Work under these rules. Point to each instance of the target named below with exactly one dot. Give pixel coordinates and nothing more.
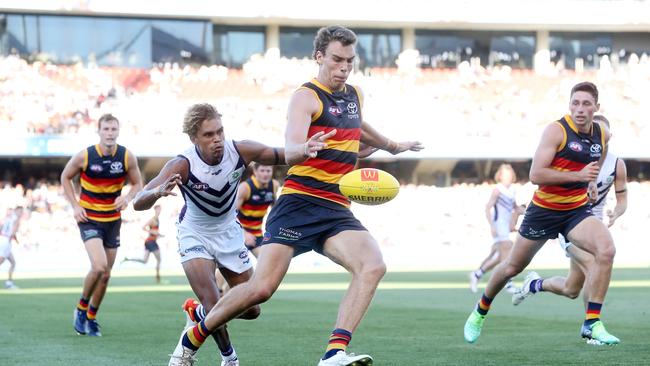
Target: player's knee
(260, 294)
(374, 271)
(510, 270)
(106, 276)
(99, 268)
(572, 293)
(606, 253)
(252, 313)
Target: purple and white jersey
(211, 190)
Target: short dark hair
(327, 35)
(105, 118)
(256, 165)
(195, 116)
(601, 118)
(587, 87)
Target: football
(369, 186)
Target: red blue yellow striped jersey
(251, 214)
(576, 151)
(153, 237)
(102, 179)
(316, 179)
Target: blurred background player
(103, 170)
(612, 173)
(502, 214)
(565, 166)
(151, 244)
(254, 198)
(323, 133)
(7, 234)
(209, 236)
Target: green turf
(403, 327)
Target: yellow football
(369, 186)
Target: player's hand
(612, 217)
(121, 203)
(493, 229)
(366, 150)
(407, 146)
(592, 192)
(316, 143)
(589, 173)
(80, 214)
(166, 188)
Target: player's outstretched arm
(372, 137)
(541, 172)
(135, 179)
(620, 188)
(72, 168)
(260, 153)
(174, 173)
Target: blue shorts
(543, 224)
(151, 245)
(306, 226)
(108, 232)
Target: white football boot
(343, 359)
(524, 292)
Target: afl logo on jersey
(335, 110)
(575, 146)
(116, 167)
(96, 168)
(200, 186)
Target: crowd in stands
(435, 228)
(40, 98)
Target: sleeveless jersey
(254, 208)
(576, 151)
(211, 190)
(153, 237)
(102, 179)
(606, 179)
(8, 226)
(505, 204)
(316, 179)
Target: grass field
(416, 319)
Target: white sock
(479, 273)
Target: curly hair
(195, 115)
(327, 35)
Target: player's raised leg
(522, 252)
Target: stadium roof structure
(578, 15)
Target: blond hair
(501, 169)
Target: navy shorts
(543, 224)
(108, 232)
(151, 245)
(306, 226)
